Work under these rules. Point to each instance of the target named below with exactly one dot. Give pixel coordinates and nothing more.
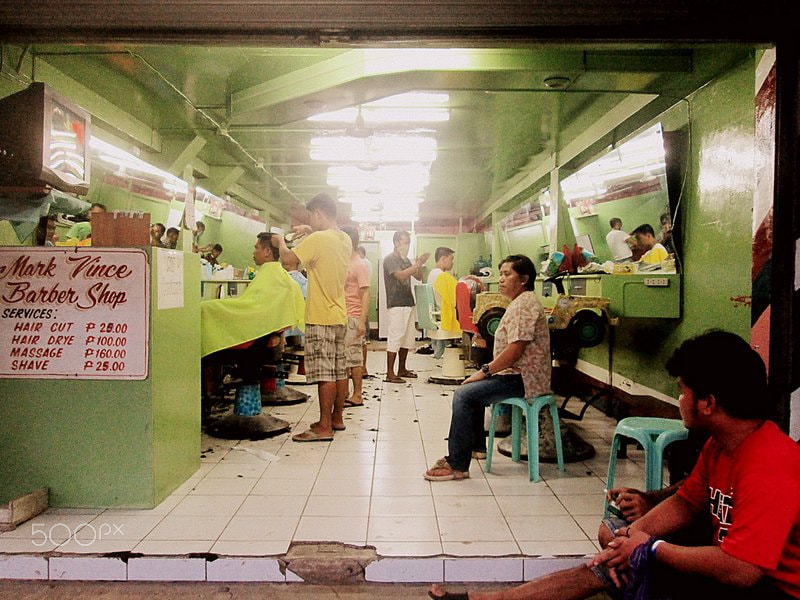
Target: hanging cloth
(445, 286)
(271, 302)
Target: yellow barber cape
(271, 302)
(445, 286)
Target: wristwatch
(485, 370)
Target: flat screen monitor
(48, 143)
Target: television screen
(67, 143)
(48, 144)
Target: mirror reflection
(619, 205)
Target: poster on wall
(169, 268)
(74, 313)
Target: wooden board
(23, 508)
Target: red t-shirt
(753, 496)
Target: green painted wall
(469, 246)
(716, 219)
(111, 443)
(373, 249)
(236, 233)
(528, 240)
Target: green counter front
(639, 295)
(114, 443)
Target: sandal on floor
(340, 428)
(311, 436)
(442, 471)
(407, 373)
(351, 404)
(449, 595)
(394, 379)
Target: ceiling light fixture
(557, 82)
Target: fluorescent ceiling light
(113, 155)
(378, 148)
(411, 208)
(419, 107)
(641, 157)
(399, 178)
(381, 218)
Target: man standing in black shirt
(397, 273)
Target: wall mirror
(629, 182)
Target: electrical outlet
(656, 281)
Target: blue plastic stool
(654, 435)
(532, 409)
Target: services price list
(74, 314)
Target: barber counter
(100, 374)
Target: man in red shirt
(747, 480)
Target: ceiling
(238, 115)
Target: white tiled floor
(365, 487)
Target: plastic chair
(654, 435)
(532, 409)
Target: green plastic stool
(654, 435)
(532, 409)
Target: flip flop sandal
(341, 428)
(311, 436)
(445, 473)
(450, 596)
(349, 404)
(394, 380)
(410, 374)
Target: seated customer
(521, 368)
(171, 239)
(444, 292)
(271, 303)
(747, 482)
(653, 252)
(157, 231)
(213, 256)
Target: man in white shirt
(620, 251)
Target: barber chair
(296, 359)
(274, 391)
(246, 420)
(576, 322)
(452, 372)
(464, 303)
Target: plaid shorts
(353, 344)
(325, 353)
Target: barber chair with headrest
(452, 361)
